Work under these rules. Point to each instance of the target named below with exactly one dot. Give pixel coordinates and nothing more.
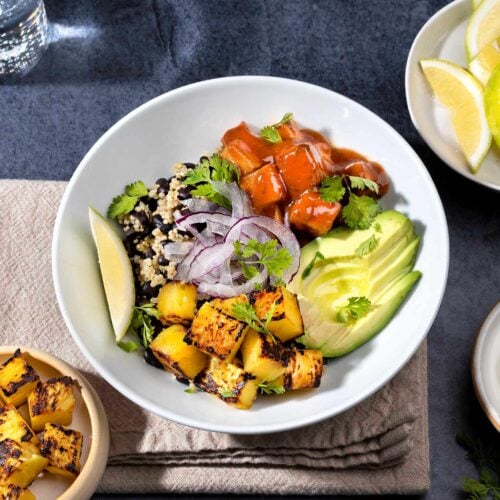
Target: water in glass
(23, 36)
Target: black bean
(162, 260)
(150, 358)
(130, 244)
(166, 228)
(149, 253)
(157, 221)
(181, 232)
(162, 189)
(204, 158)
(184, 193)
(162, 181)
(149, 291)
(189, 165)
(141, 217)
(152, 204)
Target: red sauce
(282, 179)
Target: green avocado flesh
(384, 276)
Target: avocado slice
(384, 276)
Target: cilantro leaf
(149, 309)
(308, 269)
(210, 170)
(332, 189)
(142, 326)
(362, 183)
(137, 188)
(125, 203)
(191, 390)
(246, 313)
(270, 134)
(286, 118)
(226, 393)
(271, 388)
(367, 246)
(129, 345)
(356, 308)
(360, 211)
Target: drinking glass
(23, 36)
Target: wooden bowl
(89, 418)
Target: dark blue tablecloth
(109, 56)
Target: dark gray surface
(112, 56)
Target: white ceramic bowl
(181, 125)
(443, 37)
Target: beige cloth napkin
(380, 446)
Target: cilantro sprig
(125, 203)
(246, 313)
(356, 308)
(210, 170)
(360, 211)
(142, 327)
(271, 387)
(308, 269)
(226, 393)
(487, 461)
(332, 189)
(271, 133)
(367, 246)
(255, 254)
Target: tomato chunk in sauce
(282, 179)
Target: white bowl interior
(182, 125)
(443, 37)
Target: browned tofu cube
(304, 369)
(19, 463)
(17, 379)
(63, 449)
(52, 401)
(216, 333)
(286, 322)
(15, 492)
(13, 426)
(228, 382)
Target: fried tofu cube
(13, 426)
(226, 305)
(265, 187)
(216, 333)
(52, 401)
(17, 379)
(177, 302)
(301, 168)
(20, 463)
(304, 369)
(239, 153)
(15, 492)
(286, 322)
(263, 357)
(229, 382)
(63, 449)
(311, 213)
(258, 146)
(183, 360)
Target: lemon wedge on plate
(116, 272)
(485, 62)
(483, 27)
(462, 94)
(492, 104)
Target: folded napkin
(380, 446)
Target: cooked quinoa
(150, 226)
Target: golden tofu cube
(63, 449)
(13, 426)
(177, 302)
(262, 356)
(304, 369)
(20, 463)
(216, 333)
(286, 322)
(228, 382)
(17, 379)
(52, 401)
(15, 492)
(226, 305)
(183, 360)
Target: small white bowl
(89, 417)
(486, 366)
(181, 125)
(443, 37)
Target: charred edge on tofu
(42, 395)
(206, 383)
(9, 449)
(4, 418)
(288, 379)
(29, 375)
(273, 350)
(47, 446)
(278, 301)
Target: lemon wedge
(462, 94)
(485, 62)
(492, 104)
(116, 272)
(483, 27)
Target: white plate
(486, 366)
(443, 37)
(181, 125)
